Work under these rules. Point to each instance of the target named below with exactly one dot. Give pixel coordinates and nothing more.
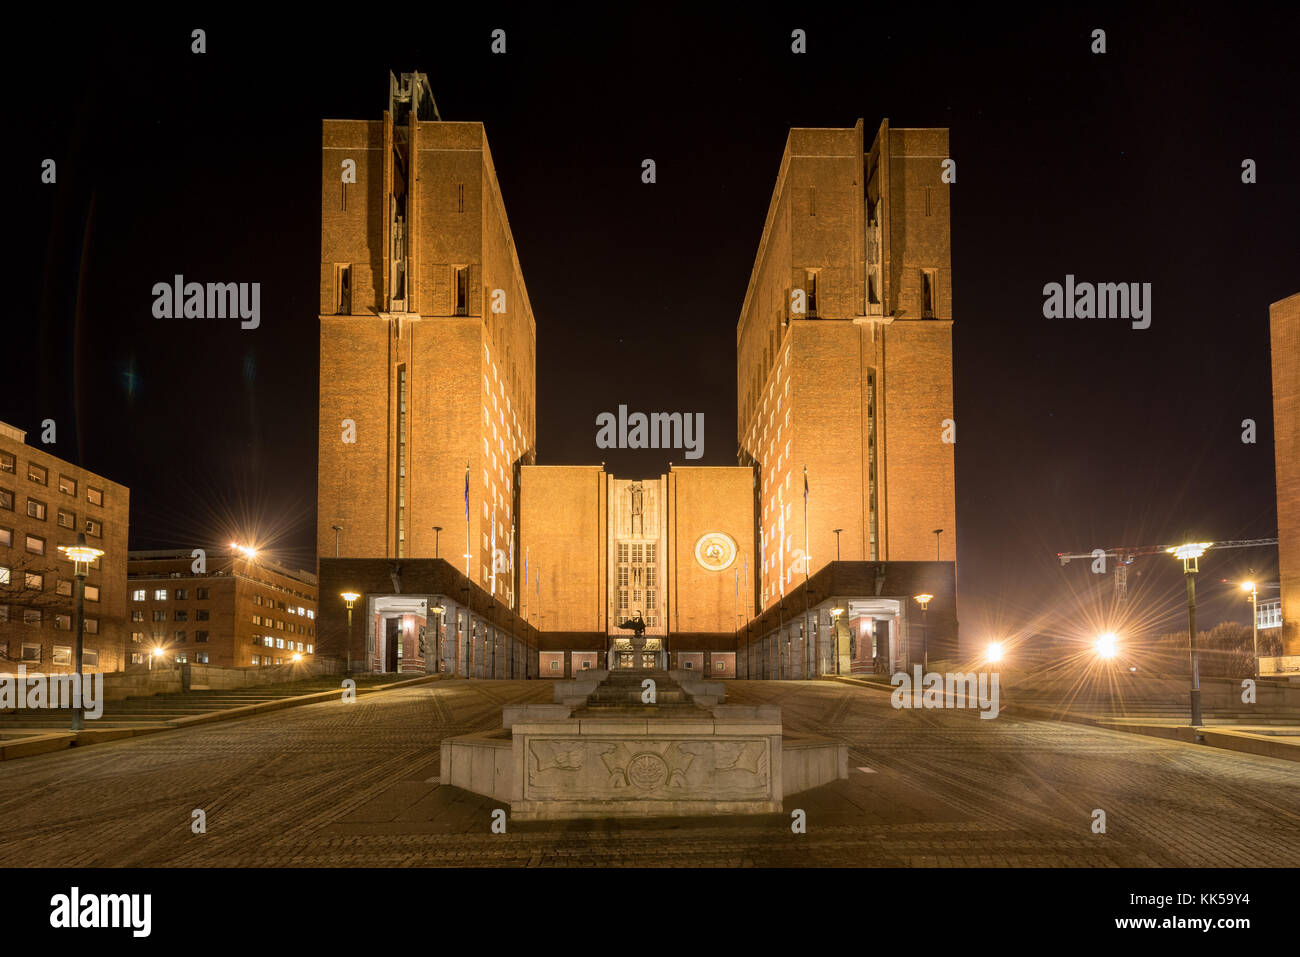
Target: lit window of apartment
(67, 519)
(64, 587)
(257, 619)
(35, 545)
(62, 622)
(309, 650)
(67, 486)
(35, 581)
(92, 593)
(92, 628)
(35, 509)
(160, 594)
(7, 462)
(201, 657)
(32, 616)
(257, 659)
(94, 496)
(279, 642)
(6, 537)
(37, 474)
(137, 637)
(62, 655)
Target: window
(343, 289)
(257, 660)
(182, 594)
(160, 615)
(460, 197)
(90, 658)
(927, 293)
(35, 509)
(257, 599)
(309, 650)
(67, 519)
(94, 496)
(812, 200)
(6, 537)
(279, 642)
(92, 592)
(37, 474)
(31, 652)
(462, 290)
(137, 637)
(92, 626)
(257, 619)
(268, 641)
(138, 594)
(4, 575)
(201, 614)
(67, 486)
(182, 615)
(32, 616)
(182, 659)
(63, 622)
(200, 636)
(35, 581)
(137, 657)
(6, 499)
(555, 666)
(62, 655)
(94, 529)
(201, 657)
(4, 612)
(160, 594)
(179, 635)
(7, 462)
(64, 587)
(201, 594)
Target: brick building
(427, 429)
(235, 609)
(1284, 323)
(44, 503)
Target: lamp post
(337, 529)
(837, 542)
(835, 636)
(350, 597)
(81, 555)
(1254, 623)
(437, 534)
(924, 601)
(1189, 555)
(937, 533)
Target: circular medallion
(647, 770)
(715, 551)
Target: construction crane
(1124, 555)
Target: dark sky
(1072, 434)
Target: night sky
(1122, 167)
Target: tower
(844, 356)
(428, 344)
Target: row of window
(36, 617)
(161, 594)
(41, 476)
(269, 622)
(38, 510)
(60, 655)
(200, 657)
(35, 581)
(35, 544)
(270, 641)
(182, 614)
(178, 636)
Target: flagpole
(467, 520)
(807, 561)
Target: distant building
(1284, 323)
(241, 611)
(44, 503)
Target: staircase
(621, 692)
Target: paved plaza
(337, 784)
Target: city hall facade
(465, 554)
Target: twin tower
(428, 423)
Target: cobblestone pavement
(356, 784)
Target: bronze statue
(636, 625)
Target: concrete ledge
(513, 713)
(36, 744)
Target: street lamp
(337, 529)
(837, 542)
(437, 534)
(1107, 645)
(835, 635)
(1189, 555)
(924, 601)
(81, 555)
(157, 653)
(350, 597)
(937, 533)
(993, 654)
(1254, 622)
